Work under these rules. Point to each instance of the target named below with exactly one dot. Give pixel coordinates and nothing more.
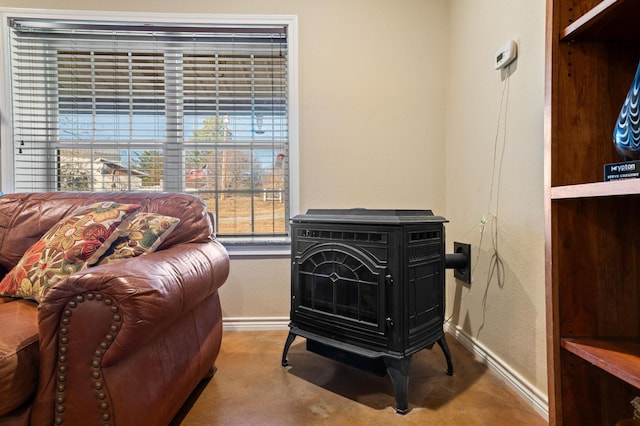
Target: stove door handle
(389, 279)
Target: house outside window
(133, 105)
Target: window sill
(257, 248)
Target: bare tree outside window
(231, 179)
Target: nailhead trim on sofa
(96, 375)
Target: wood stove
(367, 288)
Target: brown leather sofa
(124, 343)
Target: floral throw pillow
(69, 246)
(145, 232)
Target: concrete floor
(252, 388)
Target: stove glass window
(339, 283)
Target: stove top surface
(363, 215)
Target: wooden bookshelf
(597, 189)
(608, 20)
(621, 358)
(592, 231)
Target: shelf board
(609, 20)
(621, 358)
(597, 189)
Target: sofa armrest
(99, 317)
(150, 291)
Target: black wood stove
(367, 288)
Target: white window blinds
(123, 106)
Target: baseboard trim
(532, 395)
(536, 399)
(255, 323)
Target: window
(127, 106)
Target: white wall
(399, 104)
(504, 308)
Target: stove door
(339, 290)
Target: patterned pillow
(146, 231)
(69, 246)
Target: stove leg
(398, 370)
(290, 338)
(445, 348)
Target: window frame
(240, 246)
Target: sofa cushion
(18, 353)
(25, 217)
(144, 234)
(76, 241)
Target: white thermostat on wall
(506, 54)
